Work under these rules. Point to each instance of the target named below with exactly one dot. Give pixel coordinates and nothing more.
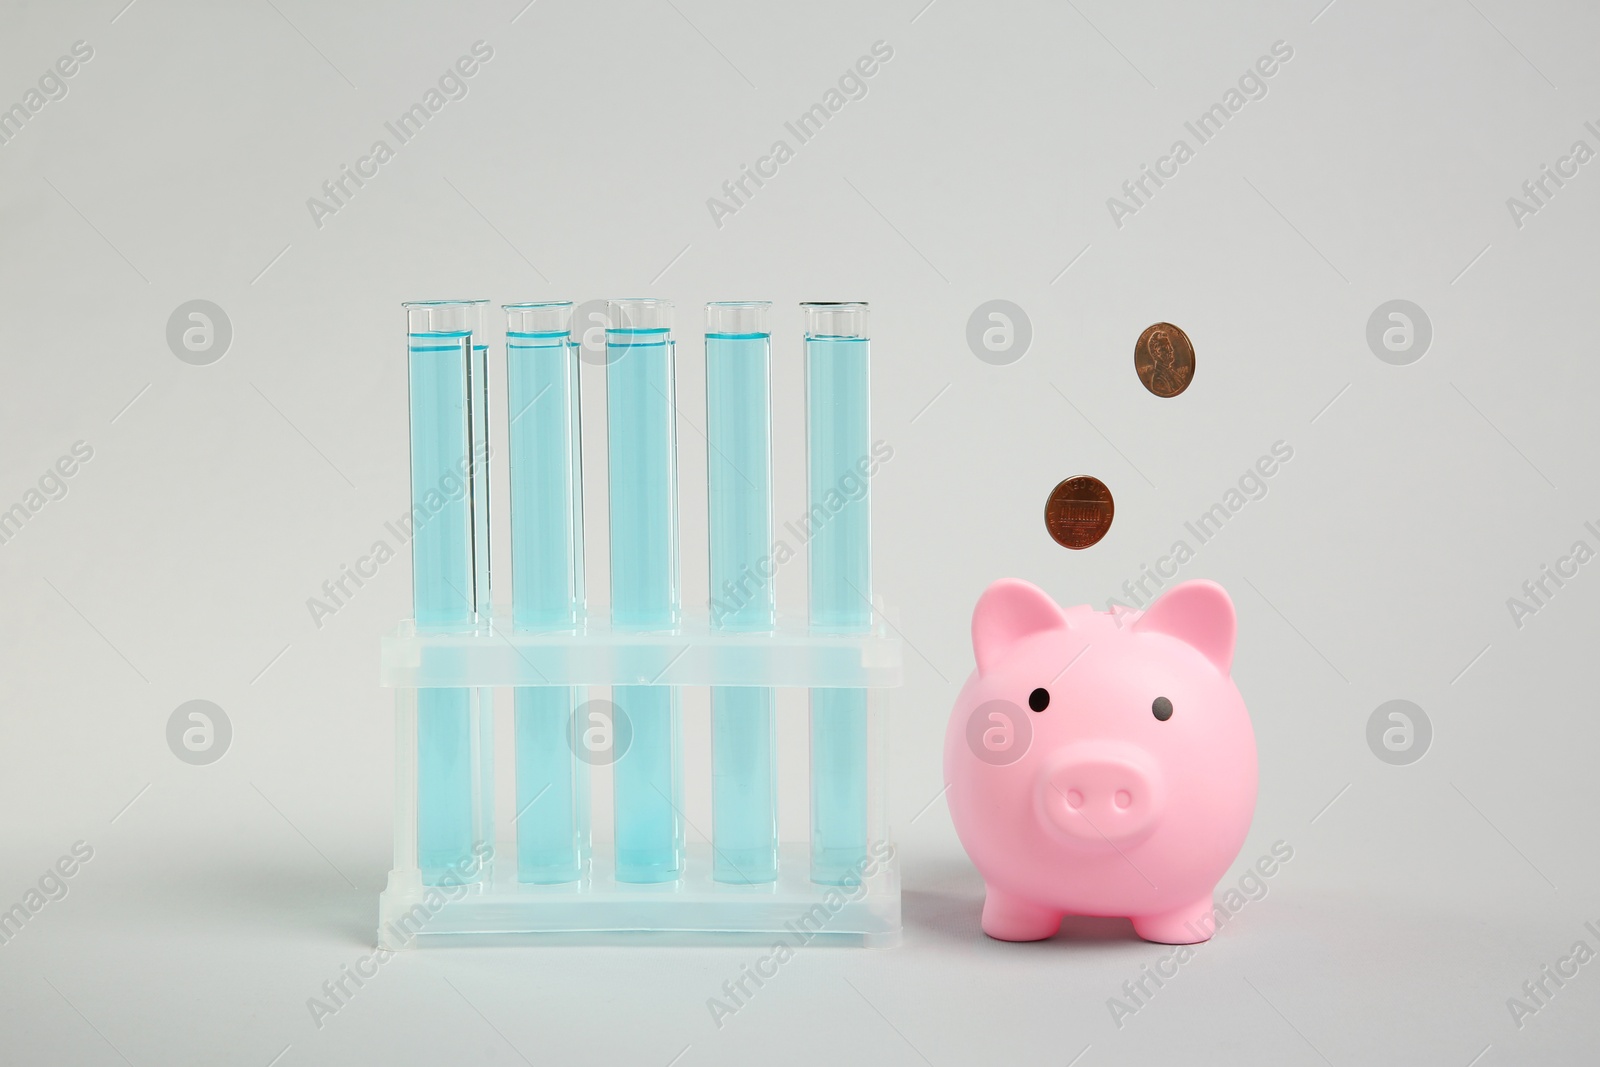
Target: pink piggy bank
(1100, 764)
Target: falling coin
(1164, 359)
(1079, 511)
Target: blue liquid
(739, 479)
(478, 473)
(739, 483)
(641, 434)
(546, 509)
(647, 785)
(444, 785)
(442, 542)
(744, 827)
(449, 493)
(838, 431)
(552, 820)
(552, 788)
(838, 784)
(647, 781)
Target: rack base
(599, 910)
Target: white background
(978, 166)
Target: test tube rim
(761, 310)
(627, 310)
(861, 333)
(523, 318)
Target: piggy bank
(1099, 763)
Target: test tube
(447, 355)
(552, 786)
(744, 834)
(641, 435)
(838, 430)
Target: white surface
(219, 498)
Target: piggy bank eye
(1039, 699)
(1162, 708)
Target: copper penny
(1079, 511)
(1164, 359)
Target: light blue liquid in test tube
(838, 452)
(744, 832)
(552, 785)
(641, 435)
(447, 358)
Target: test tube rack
(484, 902)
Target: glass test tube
(447, 354)
(838, 454)
(552, 785)
(744, 833)
(641, 435)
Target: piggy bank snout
(1100, 792)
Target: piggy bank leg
(1187, 925)
(1010, 918)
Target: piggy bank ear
(1199, 614)
(1008, 611)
